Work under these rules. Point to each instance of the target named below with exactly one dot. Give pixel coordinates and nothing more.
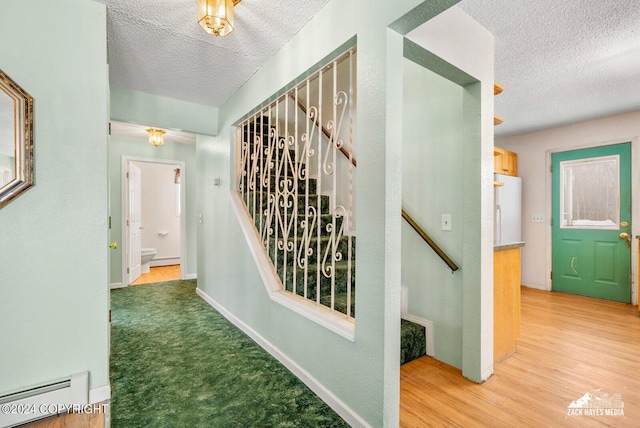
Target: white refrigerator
(507, 209)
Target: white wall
(533, 151)
(160, 215)
(7, 165)
(7, 162)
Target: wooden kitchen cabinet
(505, 162)
(506, 301)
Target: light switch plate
(537, 218)
(446, 221)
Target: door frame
(635, 207)
(123, 217)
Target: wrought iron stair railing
(290, 181)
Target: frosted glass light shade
(156, 136)
(216, 16)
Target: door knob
(625, 236)
(113, 245)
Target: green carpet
(413, 341)
(176, 362)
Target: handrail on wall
(445, 258)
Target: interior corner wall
(120, 146)
(53, 238)
(361, 376)
(432, 152)
(456, 38)
(532, 149)
(162, 112)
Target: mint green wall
(140, 148)
(363, 375)
(53, 238)
(455, 40)
(152, 110)
(432, 151)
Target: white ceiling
(157, 46)
(139, 132)
(559, 61)
(562, 61)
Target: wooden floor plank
(569, 345)
(159, 274)
(92, 419)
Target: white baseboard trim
(404, 300)
(97, 395)
(428, 326)
(534, 285)
(345, 412)
(168, 261)
(190, 276)
(117, 285)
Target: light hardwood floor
(73, 420)
(569, 345)
(159, 274)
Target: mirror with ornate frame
(16, 140)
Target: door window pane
(590, 193)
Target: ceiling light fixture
(156, 136)
(216, 16)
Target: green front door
(592, 222)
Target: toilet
(147, 255)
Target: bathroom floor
(159, 274)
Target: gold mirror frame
(22, 178)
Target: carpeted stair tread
(340, 302)
(289, 183)
(341, 270)
(295, 209)
(413, 342)
(342, 248)
(261, 205)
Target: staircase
(413, 341)
(313, 258)
(301, 231)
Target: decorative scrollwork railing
(299, 190)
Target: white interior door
(134, 222)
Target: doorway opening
(154, 226)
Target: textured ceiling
(157, 46)
(562, 61)
(139, 132)
(559, 61)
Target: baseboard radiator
(60, 396)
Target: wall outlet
(446, 221)
(537, 218)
